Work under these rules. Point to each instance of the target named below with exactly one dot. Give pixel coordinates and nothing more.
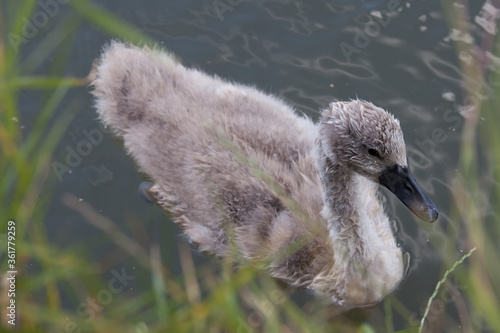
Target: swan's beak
(400, 181)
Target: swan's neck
(367, 261)
(358, 225)
(342, 208)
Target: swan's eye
(373, 152)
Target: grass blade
(109, 23)
(440, 283)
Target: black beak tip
(434, 213)
(426, 211)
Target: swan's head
(368, 140)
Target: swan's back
(221, 155)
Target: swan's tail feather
(125, 76)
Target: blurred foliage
(215, 297)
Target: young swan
(246, 177)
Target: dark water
(397, 54)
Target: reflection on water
(397, 54)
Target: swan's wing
(215, 150)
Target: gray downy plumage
(246, 177)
